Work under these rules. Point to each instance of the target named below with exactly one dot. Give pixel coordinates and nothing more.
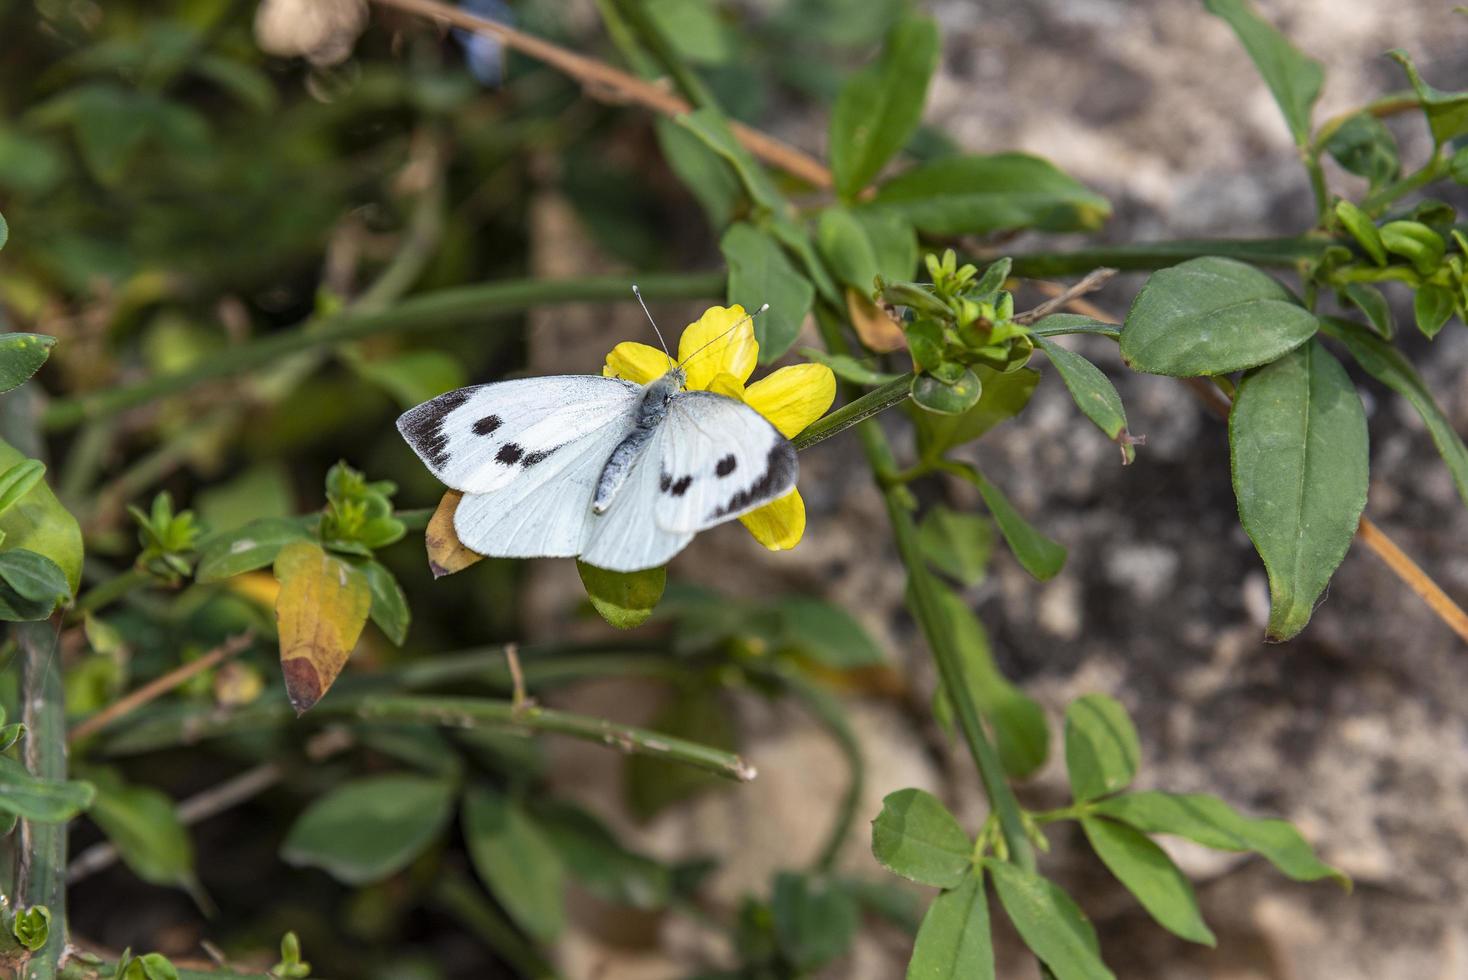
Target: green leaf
(706, 174)
(1432, 307)
(389, 605)
(977, 195)
(21, 355)
(1004, 396)
(41, 800)
(597, 860)
(1297, 438)
(825, 633)
(1049, 922)
(815, 919)
(623, 599)
(367, 829)
(1362, 145)
(760, 273)
(848, 251)
(149, 966)
(1415, 242)
(1020, 734)
(916, 837)
(1293, 78)
(1388, 365)
(957, 544)
(1371, 301)
(848, 368)
(1093, 392)
(941, 398)
(143, 825)
(1101, 748)
(1458, 166)
(32, 927)
(37, 522)
(698, 715)
(1447, 112)
(712, 129)
(693, 29)
(4, 231)
(1041, 557)
(880, 107)
(954, 942)
(894, 241)
(1209, 821)
(1363, 229)
(1212, 316)
(31, 586)
(1063, 324)
(1150, 875)
(18, 480)
(516, 861)
(247, 548)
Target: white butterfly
(618, 474)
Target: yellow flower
(790, 398)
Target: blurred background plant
(246, 236)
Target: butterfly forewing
(720, 459)
(491, 436)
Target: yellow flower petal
(793, 397)
(779, 524)
(728, 385)
(729, 350)
(636, 362)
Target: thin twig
(160, 686)
(608, 84)
(1417, 580)
(517, 677)
(1066, 295)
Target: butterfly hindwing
(719, 459)
(628, 537)
(486, 437)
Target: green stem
(1376, 203)
(872, 403)
(1310, 157)
(927, 608)
(484, 713)
(108, 592)
(1159, 255)
(75, 969)
(472, 304)
(41, 876)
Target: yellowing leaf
(446, 554)
(320, 613)
(877, 330)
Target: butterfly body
(618, 474)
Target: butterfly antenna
(638, 293)
(715, 340)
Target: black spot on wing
(779, 475)
(665, 481)
(509, 454)
(680, 486)
(486, 425)
(539, 456)
(726, 465)
(422, 426)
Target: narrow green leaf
(825, 633)
(1293, 78)
(368, 829)
(1050, 923)
(1432, 307)
(954, 941)
(607, 869)
(760, 273)
(21, 355)
(37, 522)
(713, 130)
(516, 861)
(1416, 242)
(1094, 394)
(844, 244)
(1388, 365)
(41, 800)
(1101, 748)
(389, 605)
(977, 195)
(956, 543)
(1212, 316)
(247, 548)
(693, 28)
(1041, 556)
(1362, 145)
(1447, 112)
(1209, 821)
(1297, 438)
(880, 107)
(18, 480)
(624, 599)
(1020, 734)
(705, 173)
(815, 919)
(143, 825)
(916, 837)
(1150, 875)
(1363, 229)
(1062, 324)
(1370, 301)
